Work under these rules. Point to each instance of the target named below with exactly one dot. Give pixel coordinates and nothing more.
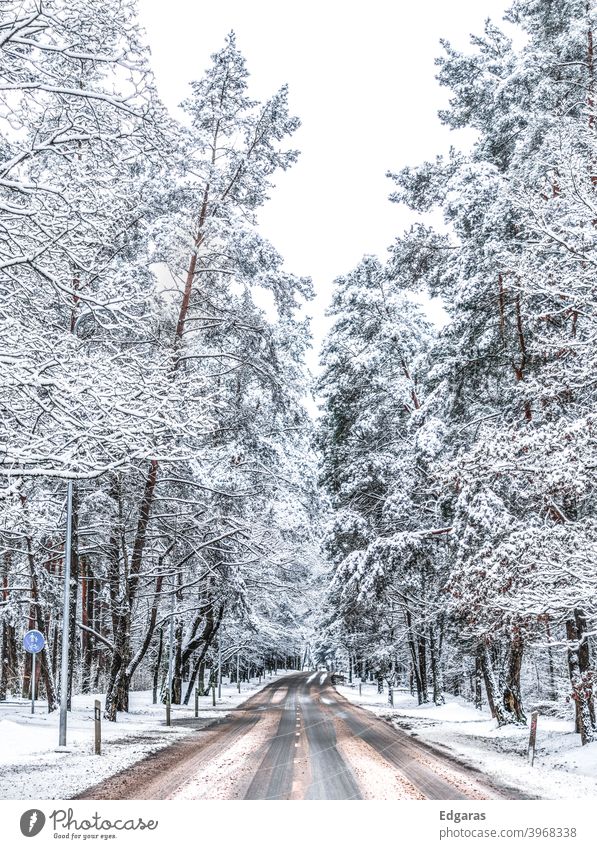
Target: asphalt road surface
(299, 739)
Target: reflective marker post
(533, 737)
(97, 718)
(65, 616)
(220, 665)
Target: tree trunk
(584, 658)
(87, 610)
(415, 673)
(581, 685)
(156, 668)
(117, 695)
(210, 630)
(37, 621)
(99, 653)
(422, 651)
(117, 689)
(55, 644)
(177, 664)
(478, 680)
(553, 690)
(45, 668)
(201, 678)
(28, 663)
(140, 654)
(73, 599)
(512, 698)
(9, 663)
(493, 694)
(436, 669)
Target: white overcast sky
(361, 77)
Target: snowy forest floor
(563, 769)
(32, 768)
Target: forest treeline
(461, 464)
(152, 353)
(152, 350)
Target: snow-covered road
(298, 739)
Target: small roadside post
(213, 693)
(97, 716)
(196, 702)
(360, 688)
(33, 642)
(238, 670)
(220, 667)
(533, 737)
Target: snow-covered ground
(32, 768)
(563, 769)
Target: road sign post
(32, 683)
(33, 642)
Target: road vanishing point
(298, 738)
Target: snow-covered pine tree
(519, 211)
(226, 353)
(80, 132)
(105, 368)
(376, 444)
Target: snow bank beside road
(31, 768)
(563, 768)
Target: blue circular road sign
(33, 641)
